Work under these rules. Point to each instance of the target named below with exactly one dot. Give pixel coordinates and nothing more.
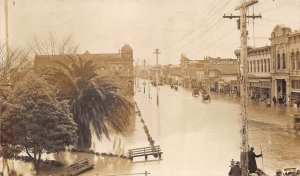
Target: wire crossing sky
(195, 28)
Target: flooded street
(197, 138)
(200, 138)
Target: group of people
(236, 170)
(281, 100)
(252, 167)
(294, 173)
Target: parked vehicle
(195, 92)
(205, 97)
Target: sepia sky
(195, 28)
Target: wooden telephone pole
(144, 77)
(157, 53)
(243, 79)
(6, 30)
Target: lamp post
(149, 85)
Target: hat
(237, 163)
(278, 171)
(252, 148)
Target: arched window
(293, 61)
(248, 66)
(258, 68)
(298, 60)
(265, 64)
(278, 61)
(283, 61)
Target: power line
(197, 26)
(209, 45)
(211, 25)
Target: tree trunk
(35, 162)
(85, 138)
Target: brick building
(118, 65)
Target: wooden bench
(145, 151)
(79, 167)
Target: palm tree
(93, 99)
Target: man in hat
(278, 173)
(235, 170)
(252, 167)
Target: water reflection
(15, 168)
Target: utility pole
(6, 30)
(144, 77)
(242, 25)
(137, 75)
(135, 70)
(157, 53)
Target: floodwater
(197, 138)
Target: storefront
(254, 88)
(260, 88)
(265, 89)
(295, 89)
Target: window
(269, 65)
(298, 60)
(258, 68)
(261, 65)
(254, 66)
(265, 64)
(295, 84)
(293, 61)
(248, 66)
(251, 66)
(278, 61)
(283, 61)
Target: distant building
(217, 74)
(173, 74)
(259, 75)
(222, 74)
(118, 65)
(193, 72)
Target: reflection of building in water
(119, 65)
